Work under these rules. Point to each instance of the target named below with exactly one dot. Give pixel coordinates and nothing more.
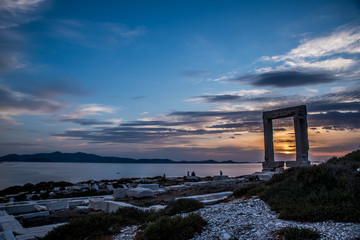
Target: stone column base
(272, 166)
(298, 163)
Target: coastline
(20, 173)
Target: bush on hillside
(295, 233)
(249, 190)
(329, 191)
(184, 205)
(175, 228)
(99, 225)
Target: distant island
(80, 157)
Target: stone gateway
(299, 115)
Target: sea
(20, 173)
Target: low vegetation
(249, 190)
(175, 228)
(328, 191)
(295, 233)
(184, 205)
(95, 226)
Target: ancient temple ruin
(299, 115)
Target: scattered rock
(140, 192)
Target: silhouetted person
(188, 173)
(193, 174)
(220, 173)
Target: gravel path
(253, 219)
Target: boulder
(56, 205)
(73, 203)
(7, 235)
(83, 209)
(120, 193)
(152, 186)
(221, 177)
(34, 215)
(112, 206)
(96, 203)
(140, 192)
(20, 208)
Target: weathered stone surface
(120, 193)
(96, 203)
(192, 177)
(9, 223)
(157, 207)
(33, 215)
(253, 219)
(20, 208)
(140, 192)
(197, 183)
(222, 183)
(73, 203)
(298, 163)
(56, 205)
(299, 115)
(209, 198)
(265, 175)
(40, 207)
(113, 206)
(271, 166)
(84, 209)
(152, 186)
(37, 232)
(7, 235)
(221, 177)
(159, 191)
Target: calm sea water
(19, 173)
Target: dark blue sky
(186, 80)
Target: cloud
(251, 126)
(90, 109)
(16, 12)
(159, 135)
(194, 73)
(158, 123)
(91, 34)
(11, 44)
(14, 103)
(87, 122)
(48, 88)
(138, 97)
(285, 79)
(233, 96)
(344, 40)
(12, 14)
(320, 60)
(9, 59)
(336, 120)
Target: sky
(184, 80)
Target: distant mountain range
(80, 157)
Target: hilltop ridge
(81, 157)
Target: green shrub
(175, 228)
(183, 205)
(329, 191)
(295, 233)
(99, 225)
(249, 190)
